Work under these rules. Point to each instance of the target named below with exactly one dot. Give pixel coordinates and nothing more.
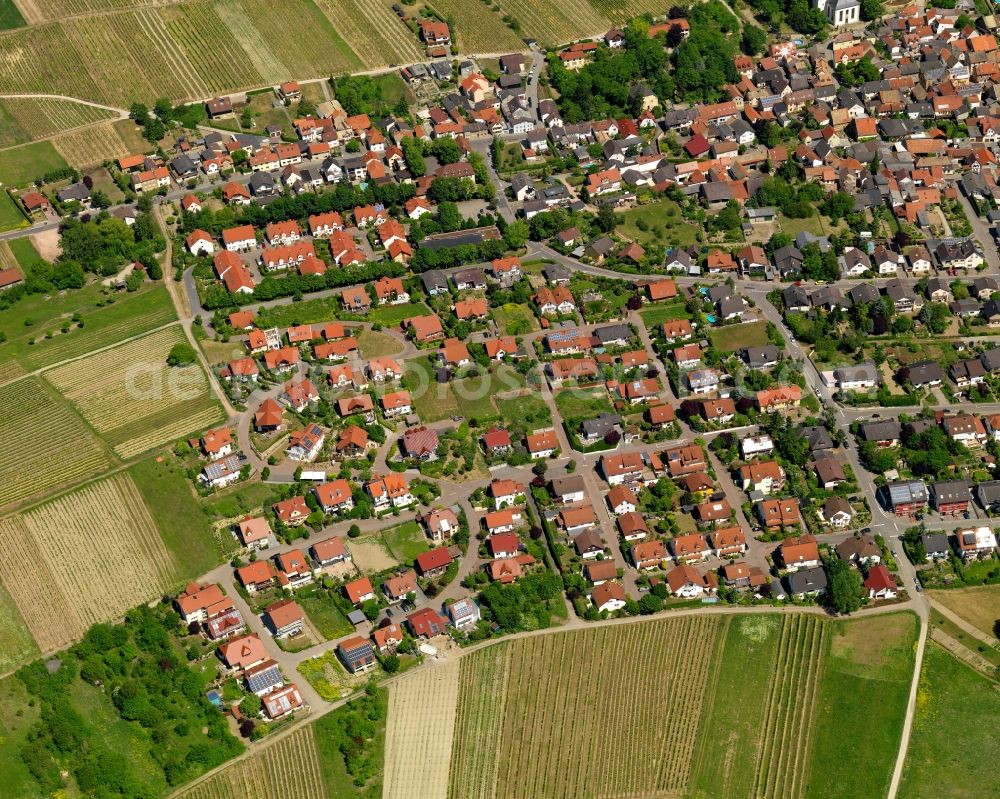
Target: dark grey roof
(951, 491)
(888, 430)
(806, 581)
(613, 333)
(935, 542)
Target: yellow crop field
(207, 43)
(289, 767)
(44, 443)
(374, 31)
(91, 146)
(480, 29)
(306, 41)
(132, 398)
(83, 558)
(416, 763)
(551, 22)
(28, 119)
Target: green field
(14, 726)
(954, 747)
(11, 215)
(10, 16)
(239, 500)
(182, 522)
(17, 646)
(862, 702)
(19, 166)
(655, 315)
(470, 397)
(514, 319)
(577, 403)
(405, 541)
(525, 413)
(723, 762)
(25, 253)
(373, 344)
(663, 222)
(323, 613)
(33, 318)
(735, 337)
(393, 315)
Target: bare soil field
(419, 734)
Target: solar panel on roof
(263, 680)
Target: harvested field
(27, 466)
(91, 146)
(371, 554)
(979, 605)
(419, 733)
(480, 29)
(289, 767)
(131, 397)
(84, 558)
(27, 119)
(376, 34)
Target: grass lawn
(25, 253)
(393, 315)
(183, 524)
(577, 403)
(663, 222)
(374, 345)
(217, 351)
(514, 319)
(811, 224)
(656, 314)
(10, 214)
(954, 740)
(324, 614)
(970, 642)
(405, 541)
(526, 413)
(735, 337)
(238, 500)
(394, 89)
(307, 312)
(16, 644)
(471, 397)
(339, 782)
(34, 317)
(860, 706)
(10, 16)
(728, 742)
(19, 166)
(14, 725)
(978, 605)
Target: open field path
(958, 621)
(184, 314)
